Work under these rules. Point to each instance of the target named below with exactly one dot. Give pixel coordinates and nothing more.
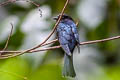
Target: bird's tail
(68, 69)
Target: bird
(68, 38)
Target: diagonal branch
(49, 34)
(49, 42)
(8, 37)
(53, 28)
(6, 45)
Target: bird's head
(64, 17)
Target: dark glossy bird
(68, 38)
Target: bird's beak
(55, 18)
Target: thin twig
(77, 22)
(8, 37)
(16, 53)
(30, 1)
(98, 41)
(12, 1)
(44, 49)
(49, 42)
(6, 45)
(50, 48)
(52, 30)
(32, 50)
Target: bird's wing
(66, 49)
(76, 35)
(63, 38)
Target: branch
(98, 41)
(53, 28)
(6, 45)
(16, 53)
(49, 42)
(8, 37)
(12, 1)
(44, 49)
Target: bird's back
(66, 36)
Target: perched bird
(68, 38)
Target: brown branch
(50, 48)
(49, 42)
(16, 53)
(6, 45)
(32, 50)
(37, 5)
(8, 37)
(30, 1)
(12, 1)
(44, 49)
(98, 41)
(77, 22)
